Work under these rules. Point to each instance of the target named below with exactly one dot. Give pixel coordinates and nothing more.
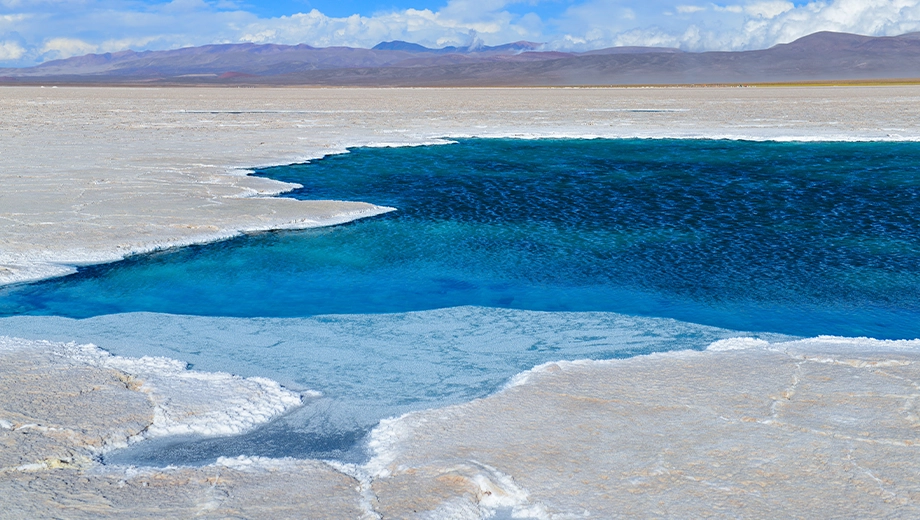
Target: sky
(35, 31)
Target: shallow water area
(366, 367)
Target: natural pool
(800, 238)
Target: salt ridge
(25, 268)
(186, 402)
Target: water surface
(796, 238)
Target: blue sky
(34, 31)
(342, 8)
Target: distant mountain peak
(399, 45)
(477, 46)
(829, 42)
(521, 45)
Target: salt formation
(815, 428)
(66, 404)
(747, 428)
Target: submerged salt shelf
(365, 367)
(66, 405)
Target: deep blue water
(797, 238)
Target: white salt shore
(63, 405)
(818, 428)
(815, 428)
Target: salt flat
(813, 428)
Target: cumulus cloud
(56, 48)
(10, 51)
(59, 28)
(37, 30)
(733, 25)
(687, 9)
(769, 9)
(423, 26)
(457, 23)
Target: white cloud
(11, 51)
(870, 17)
(728, 8)
(116, 45)
(735, 26)
(688, 9)
(452, 25)
(9, 19)
(49, 29)
(769, 9)
(57, 48)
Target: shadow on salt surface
(367, 367)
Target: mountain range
(823, 56)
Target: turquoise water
(795, 238)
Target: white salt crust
(424, 460)
(397, 451)
(186, 402)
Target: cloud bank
(36, 31)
